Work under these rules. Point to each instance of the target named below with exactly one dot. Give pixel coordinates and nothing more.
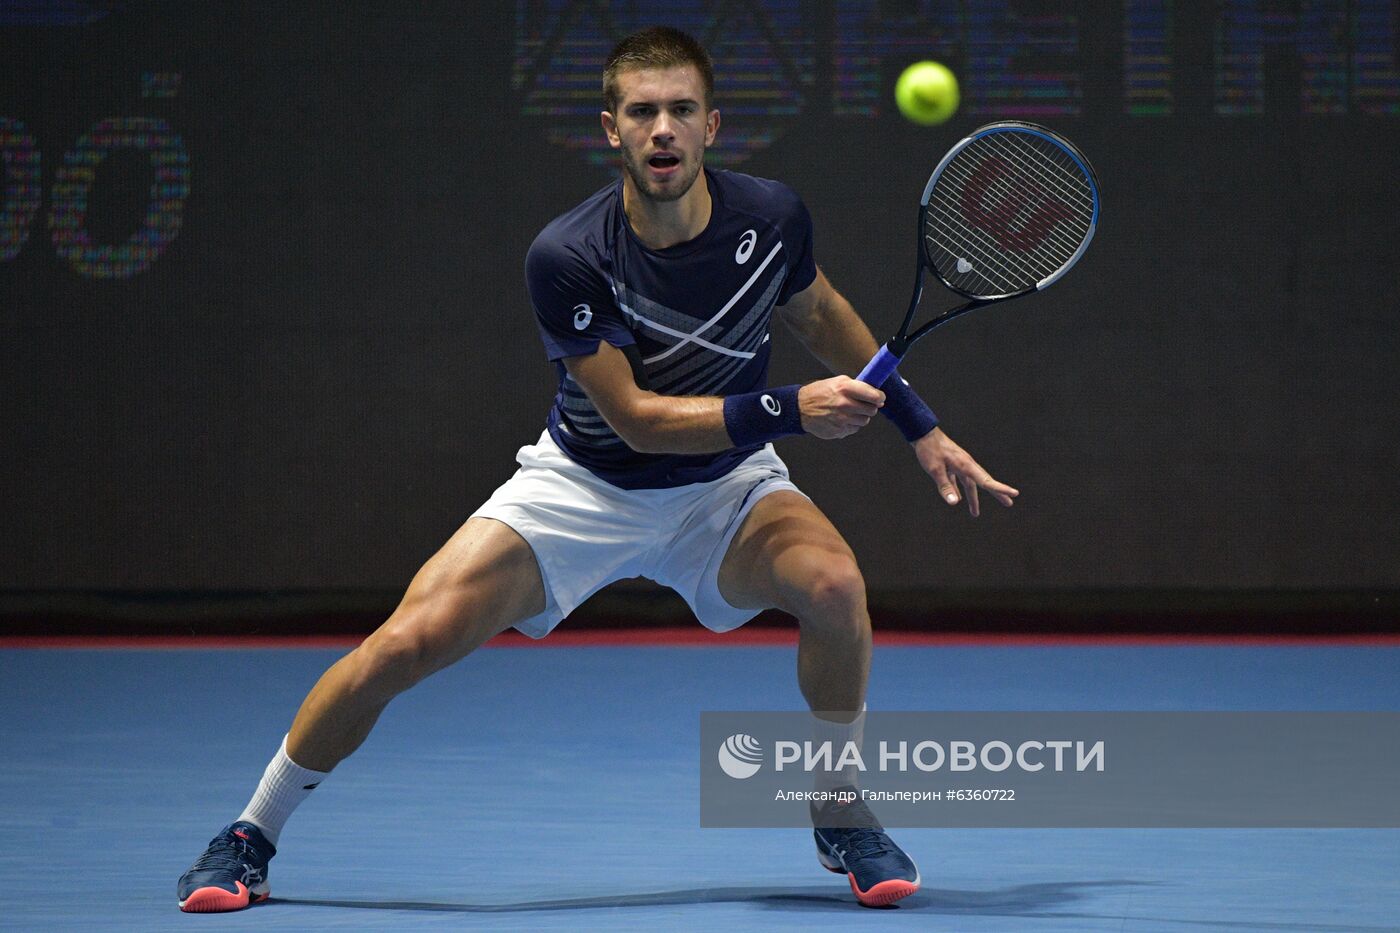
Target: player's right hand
(837, 407)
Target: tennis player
(654, 298)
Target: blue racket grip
(879, 368)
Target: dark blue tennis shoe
(852, 842)
(231, 874)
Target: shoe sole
(214, 900)
(880, 895)
(885, 893)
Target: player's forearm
(674, 424)
(837, 336)
(829, 409)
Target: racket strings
(988, 264)
(1065, 179)
(1011, 188)
(973, 261)
(1051, 164)
(990, 246)
(1010, 210)
(990, 261)
(1054, 249)
(999, 229)
(1005, 206)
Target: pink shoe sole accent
(213, 900)
(884, 893)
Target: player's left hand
(950, 465)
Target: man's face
(661, 128)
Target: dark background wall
(263, 323)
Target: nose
(661, 131)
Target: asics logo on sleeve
(771, 405)
(746, 245)
(582, 316)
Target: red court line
(698, 637)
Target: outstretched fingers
(973, 477)
(949, 465)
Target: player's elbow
(637, 430)
(801, 318)
(645, 438)
(639, 439)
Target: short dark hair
(656, 47)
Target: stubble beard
(637, 170)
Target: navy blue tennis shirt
(697, 313)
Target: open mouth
(663, 161)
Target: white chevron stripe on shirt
(719, 314)
(684, 336)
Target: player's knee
(392, 659)
(406, 648)
(833, 597)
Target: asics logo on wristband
(582, 316)
(746, 244)
(753, 418)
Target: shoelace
(864, 843)
(223, 852)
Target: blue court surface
(556, 789)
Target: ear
(711, 127)
(610, 129)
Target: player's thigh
(788, 555)
(481, 582)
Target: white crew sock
(284, 785)
(838, 734)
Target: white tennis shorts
(586, 532)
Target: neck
(660, 224)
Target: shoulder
(777, 207)
(576, 238)
(762, 197)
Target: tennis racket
(1007, 212)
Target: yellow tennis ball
(927, 93)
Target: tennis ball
(927, 93)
